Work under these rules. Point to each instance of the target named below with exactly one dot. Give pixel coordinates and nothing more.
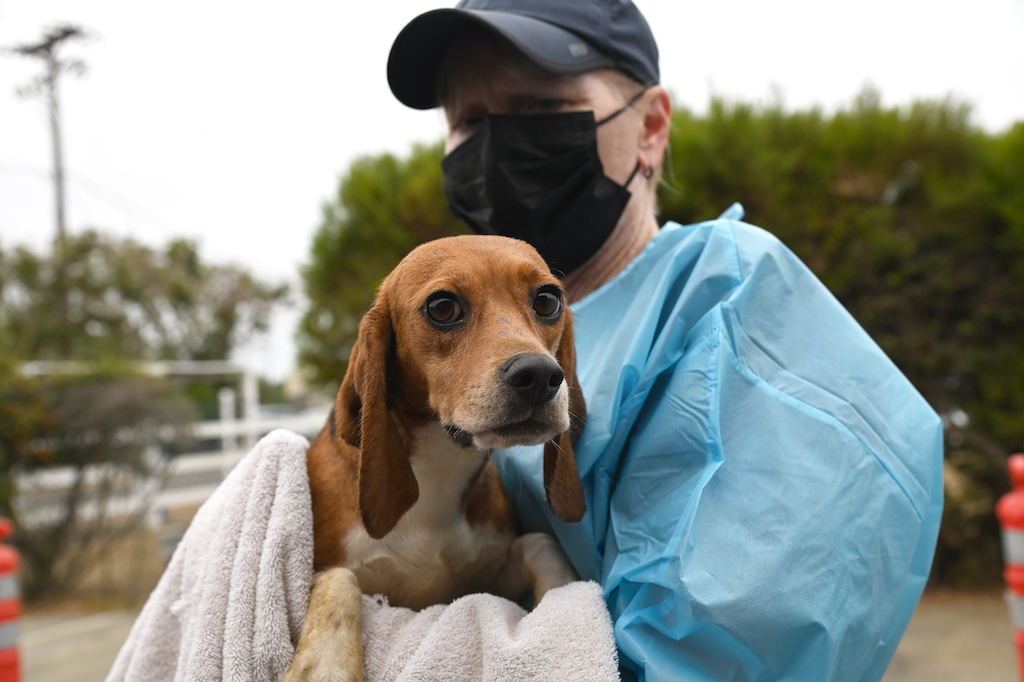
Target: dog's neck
(444, 471)
(435, 552)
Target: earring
(648, 173)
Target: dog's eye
(547, 305)
(443, 310)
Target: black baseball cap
(564, 37)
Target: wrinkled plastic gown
(764, 487)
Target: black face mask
(538, 178)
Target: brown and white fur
(468, 347)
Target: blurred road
(957, 638)
(67, 648)
(953, 637)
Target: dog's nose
(535, 378)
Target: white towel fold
(567, 638)
(231, 604)
(234, 596)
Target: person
(764, 487)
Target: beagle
(468, 347)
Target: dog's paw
(545, 561)
(330, 648)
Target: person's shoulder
(726, 239)
(720, 253)
(731, 226)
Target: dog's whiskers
(463, 439)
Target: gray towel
(567, 638)
(232, 601)
(234, 595)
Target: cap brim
(416, 55)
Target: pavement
(957, 638)
(954, 637)
(61, 647)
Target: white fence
(191, 478)
(184, 480)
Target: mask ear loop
(647, 172)
(636, 170)
(627, 106)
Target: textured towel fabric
(234, 595)
(482, 637)
(233, 599)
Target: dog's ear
(561, 477)
(387, 485)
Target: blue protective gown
(764, 486)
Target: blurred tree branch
(103, 302)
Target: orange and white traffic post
(10, 606)
(1010, 510)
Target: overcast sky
(232, 122)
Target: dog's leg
(536, 563)
(330, 648)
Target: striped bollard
(1010, 510)
(10, 607)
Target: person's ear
(656, 107)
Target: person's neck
(623, 245)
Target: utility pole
(46, 84)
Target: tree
(97, 429)
(384, 208)
(103, 302)
(95, 297)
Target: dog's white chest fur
(433, 554)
